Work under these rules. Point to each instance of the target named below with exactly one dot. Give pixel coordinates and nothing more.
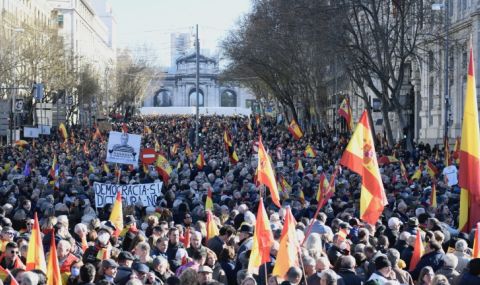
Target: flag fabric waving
(310, 152)
(116, 216)
(200, 162)
(295, 130)
(433, 195)
(345, 111)
(164, 168)
(63, 131)
(53, 270)
(469, 169)
(287, 255)
(431, 169)
(360, 157)
(228, 142)
(209, 200)
(262, 240)
(417, 251)
(265, 174)
(446, 150)
(476, 243)
(35, 253)
(212, 228)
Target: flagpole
(266, 274)
(303, 267)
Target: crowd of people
(167, 243)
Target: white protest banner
(123, 148)
(105, 193)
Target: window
(60, 21)
(228, 99)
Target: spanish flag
(345, 111)
(212, 228)
(360, 157)
(228, 142)
(287, 255)
(35, 253)
(387, 159)
(469, 169)
(476, 243)
(200, 162)
(249, 125)
(164, 168)
(295, 130)
(310, 152)
(417, 251)
(298, 166)
(63, 131)
(209, 200)
(265, 174)
(97, 135)
(431, 169)
(53, 270)
(322, 187)
(403, 171)
(53, 169)
(188, 151)
(418, 173)
(147, 130)
(262, 241)
(174, 149)
(433, 195)
(116, 216)
(157, 146)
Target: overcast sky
(150, 22)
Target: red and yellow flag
(147, 130)
(262, 240)
(97, 135)
(298, 166)
(295, 130)
(417, 251)
(418, 173)
(174, 149)
(265, 174)
(209, 200)
(403, 171)
(212, 228)
(456, 150)
(287, 255)
(433, 195)
(164, 168)
(200, 162)
(63, 131)
(469, 169)
(310, 152)
(116, 216)
(53, 270)
(387, 159)
(431, 169)
(476, 243)
(345, 111)
(35, 253)
(360, 157)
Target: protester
(170, 240)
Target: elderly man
(450, 262)
(402, 276)
(461, 247)
(65, 257)
(347, 271)
(322, 264)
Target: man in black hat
(125, 261)
(246, 238)
(383, 273)
(130, 230)
(109, 269)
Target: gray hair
(29, 278)
(347, 262)
(461, 245)
(393, 256)
(294, 273)
(450, 260)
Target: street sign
(18, 105)
(148, 155)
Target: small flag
(433, 195)
(164, 168)
(295, 130)
(418, 251)
(345, 111)
(63, 131)
(209, 200)
(310, 152)
(431, 169)
(53, 270)
(147, 130)
(212, 228)
(200, 162)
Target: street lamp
(13, 117)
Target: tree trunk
(387, 125)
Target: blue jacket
(433, 259)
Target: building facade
(177, 87)
(86, 32)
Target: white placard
(123, 148)
(31, 132)
(44, 129)
(106, 193)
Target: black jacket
(433, 259)
(350, 277)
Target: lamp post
(13, 117)
(197, 88)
